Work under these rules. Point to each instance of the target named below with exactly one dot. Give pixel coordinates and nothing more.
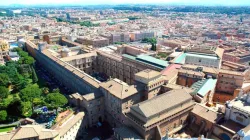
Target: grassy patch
(6, 129)
(162, 55)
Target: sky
(93, 2)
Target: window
(199, 60)
(240, 119)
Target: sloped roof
(27, 132)
(69, 124)
(162, 102)
(202, 87)
(119, 88)
(148, 73)
(206, 113)
(47, 134)
(6, 136)
(31, 131)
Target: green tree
(34, 76)
(20, 83)
(4, 92)
(24, 57)
(152, 41)
(30, 93)
(17, 49)
(3, 115)
(23, 53)
(38, 101)
(29, 60)
(26, 108)
(4, 79)
(56, 100)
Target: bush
(3, 115)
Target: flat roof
(149, 60)
(153, 60)
(148, 74)
(80, 56)
(202, 55)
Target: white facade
(72, 132)
(238, 110)
(203, 60)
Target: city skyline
(113, 2)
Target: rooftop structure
(30, 132)
(120, 89)
(161, 64)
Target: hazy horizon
(115, 2)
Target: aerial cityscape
(134, 70)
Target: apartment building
(117, 37)
(4, 50)
(138, 36)
(96, 41)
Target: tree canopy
(30, 92)
(152, 41)
(3, 115)
(4, 92)
(56, 100)
(4, 79)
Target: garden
(22, 92)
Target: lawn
(7, 129)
